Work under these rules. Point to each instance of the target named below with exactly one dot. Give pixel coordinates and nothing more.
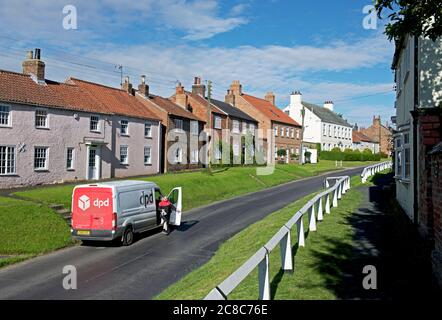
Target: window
(329, 130)
(218, 153)
(282, 132)
(178, 124)
(95, 124)
(324, 130)
(148, 130)
(41, 158)
(276, 131)
(403, 156)
(124, 157)
(235, 150)
(70, 158)
(41, 119)
(276, 152)
(287, 132)
(252, 129)
(194, 155)
(194, 127)
(297, 151)
(147, 155)
(7, 160)
(298, 132)
(217, 122)
(235, 126)
(4, 116)
(124, 127)
(244, 127)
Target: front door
(94, 161)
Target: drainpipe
(415, 137)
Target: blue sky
(317, 47)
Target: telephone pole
(209, 123)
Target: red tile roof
(269, 110)
(360, 137)
(75, 94)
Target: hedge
(349, 156)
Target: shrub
(349, 155)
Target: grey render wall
(66, 131)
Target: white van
(112, 210)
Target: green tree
(282, 153)
(416, 17)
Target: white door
(94, 161)
(175, 197)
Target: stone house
(52, 132)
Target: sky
(317, 47)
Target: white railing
(372, 170)
(315, 209)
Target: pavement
(155, 261)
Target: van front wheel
(128, 236)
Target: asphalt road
(155, 261)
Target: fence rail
(314, 210)
(371, 170)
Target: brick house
(53, 132)
(223, 117)
(175, 122)
(362, 142)
(286, 132)
(380, 134)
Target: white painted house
(321, 124)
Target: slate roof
(326, 115)
(269, 110)
(232, 111)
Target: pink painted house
(53, 132)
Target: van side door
(148, 216)
(175, 196)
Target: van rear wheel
(128, 236)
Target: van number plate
(84, 233)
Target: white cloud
(196, 19)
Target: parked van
(117, 210)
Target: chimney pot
(198, 88)
(143, 88)
(33, 65)
(127, 86)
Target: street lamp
(301, 158)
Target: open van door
(175, 197)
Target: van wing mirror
(175, 196)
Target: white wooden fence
(371, 170)
(314, 209)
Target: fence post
(327, 204)
(312, 219)
(301, 235)
(339, 191)
(335, 198)
(286, 252)
(264, 278)
(344, 189)
(320, 210)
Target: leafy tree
(282, 153)
(416, 17)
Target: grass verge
(309, 280)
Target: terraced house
(53, 132)
(224, 116)
(286, 131)
(177, 124)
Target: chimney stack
(296, 98)
(198, 88)
(143, 88)
(329, 105)
(230, 97)
(127, 86)
(270, 97)
(33, 65)
(236, 88)
(181, 96)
